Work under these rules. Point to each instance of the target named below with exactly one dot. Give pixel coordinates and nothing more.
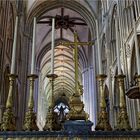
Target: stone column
(85, 85)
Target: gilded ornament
(103, 120)
(8, 119)
(123, 121)
(51, 123)
(30, 116)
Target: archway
(74, 12)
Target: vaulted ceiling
(66, 22)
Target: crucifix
(76, 44)
(65, 22)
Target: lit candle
(33, 47)
(14, 48)
(117, 47)
(136, 48)
(99, 50)
(52, 47)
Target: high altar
(69, 69)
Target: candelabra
(103, 120)
(50, 119)
(8, 119)
(30, 116)
(122, 121)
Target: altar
(63, 135)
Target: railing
(62, 135)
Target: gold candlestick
(8, 119)
(50, 119)
(103, 120)
(122, 121)
(30, 116)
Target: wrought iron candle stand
(122, 121)
(103, 120)
(50, 119)
(30, 116)
(8, 119)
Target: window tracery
(62, 110)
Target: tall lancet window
(62, 110)
(135, 9)
(113, 38)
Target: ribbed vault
(64, 68)
(64, 55)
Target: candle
(14, 48)
(52, 47)
(117, 46)
(33, 47)
(136, 48)
(98, 49)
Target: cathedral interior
(69, 69)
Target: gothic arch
(113, 35)
(40, 7)
(43, 7)
(112, 6)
